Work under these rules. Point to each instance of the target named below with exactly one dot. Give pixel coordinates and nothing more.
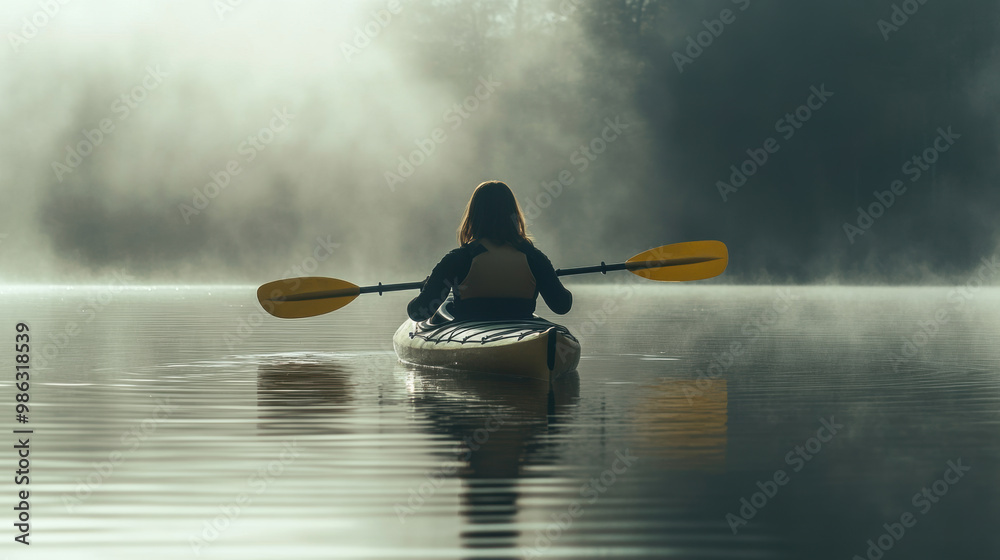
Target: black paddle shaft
(638, 265)
(602, 268)
(350, 292)
(380, 287)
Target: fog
(225, 141)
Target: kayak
(533, 348)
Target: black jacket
(448, 274)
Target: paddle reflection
(301, 398)
(685, 423)
(497, 421)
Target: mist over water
(297, 111)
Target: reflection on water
(302, 397)
(684, 422)
(492, 420)
(162, 434)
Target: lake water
(704, 422)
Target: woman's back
(497, 273)
(498, 283)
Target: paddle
(295, 298)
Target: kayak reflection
(497, 421)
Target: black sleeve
(446, 274)
(557, 297)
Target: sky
(245, 141)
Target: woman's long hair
(493, 213)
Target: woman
(496, 273)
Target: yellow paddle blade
(681, 262)
(294, 298)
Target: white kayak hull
(532, 348)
